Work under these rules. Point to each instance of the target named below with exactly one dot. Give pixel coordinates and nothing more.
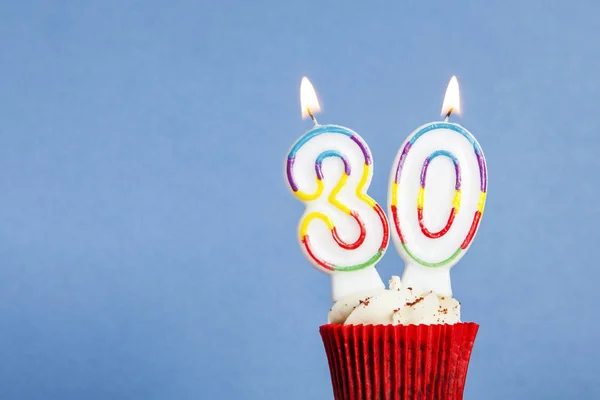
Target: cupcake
(405, 342)
(397, 344)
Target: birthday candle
(437, 194)
(343, 232)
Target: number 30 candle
(437, 193)
(343, 231)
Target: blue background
(147, 239)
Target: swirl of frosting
(395, 306)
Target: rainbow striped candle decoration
(437, 194)
(343, 232)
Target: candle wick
(312, 116)
(448, 114)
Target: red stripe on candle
(397, 224)
(384, 224)
(361, 237)
(472, 231)
(321, 263)
(435, 235)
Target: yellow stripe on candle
(310, 217)
(335, 192)
(481, 204)
(395, 194)
(361, 185)
(311, 196)
(456, 200)
(421, 198)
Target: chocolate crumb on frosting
(417, 301)
(365, 302)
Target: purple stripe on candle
(363, 147)
(346, 166)
(290, 165)
(424, 171)
(482, 171)
(401, 161)
(318, 170)
(458, 177)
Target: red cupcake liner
(397, 362)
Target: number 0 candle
(343, 232)
(436, 198)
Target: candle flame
(451, 99)
(308, 99)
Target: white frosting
(342, 308)
(397, 305)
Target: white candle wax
(438, 187)
(343, 231)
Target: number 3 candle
(343, 231)
(437, 193)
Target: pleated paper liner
(387, 362)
